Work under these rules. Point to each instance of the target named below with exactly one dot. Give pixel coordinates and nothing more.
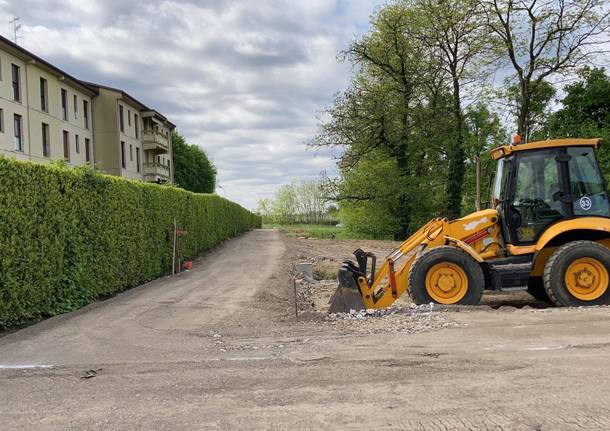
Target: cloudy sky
(244, 79)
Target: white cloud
(243, 79)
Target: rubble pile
(410, 319)
(404, 317)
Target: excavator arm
(362, 287)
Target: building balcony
(156, 173)
(156, 141)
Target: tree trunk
(402, 162)
(477, 182)
(456, 157)
(524, 112)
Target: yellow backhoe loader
(548, 232)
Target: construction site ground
(219, 347)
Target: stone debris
(405, 320)
(403, 317)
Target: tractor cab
(541, 183)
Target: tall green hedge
(69, 236)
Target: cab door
(538, 192)
(587, 188)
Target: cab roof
(506, 150)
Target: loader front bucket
(347, 297)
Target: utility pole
(16, 27)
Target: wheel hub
(446, 283)
(587, 279)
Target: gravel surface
(220, 348)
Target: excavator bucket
(348, 297)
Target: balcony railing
(153, 140)
(156, 172)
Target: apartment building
(47, 114)
(141, 137)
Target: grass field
(316, 231)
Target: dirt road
(219, 348)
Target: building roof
(130, 99)
(506, 150)
(88, 88)
(31, 58)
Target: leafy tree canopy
(192, 169)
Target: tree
(264, 207)
(192, 169)
(585, 113)
(379, 113)
(456, 28)
(297, 202)
(543, 38)
(542, 94)
(484, 132)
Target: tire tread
(550, 266)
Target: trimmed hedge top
(70, 236)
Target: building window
(75, 106)
(123, 164)
(87, 150)
(129, 117)
(138, 158)
(66, 145)
(130, 153)
(16, 83)
(18, 133)
(136, 125)
(2, 120)
(64, 105)
(86, 113)
(46, 145)
(77, 144)
(121, 119)
(44, 106)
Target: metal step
(510, 276)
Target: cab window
(537, 198)
(586, 183)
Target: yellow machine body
(477, 234)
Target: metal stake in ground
(296, 308)
(174, 249)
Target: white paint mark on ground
(255, 358)
(535, 349)
(23, 367)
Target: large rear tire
(577, 274)
(446, 275)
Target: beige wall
(33, 117)
(10, 108)
(106, 132)
(132, 144)
(74, 125)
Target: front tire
(577, 274)
(446, 275)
